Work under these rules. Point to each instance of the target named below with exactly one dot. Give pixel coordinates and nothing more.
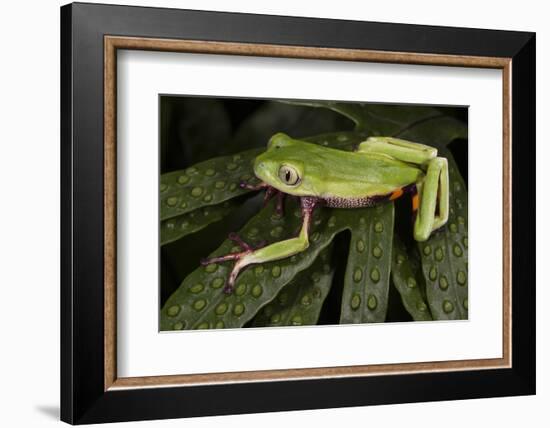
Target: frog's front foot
(239, 256)
(261, 185)
(270, 192)
(280, 207)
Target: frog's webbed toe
(244, 245)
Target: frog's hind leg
(402, 150)
(276, 251)
(433, 193)
(245, 247)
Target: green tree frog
(380, 169)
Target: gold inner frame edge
(113, 43)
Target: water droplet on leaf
(196, 191)
(199, 304)
(372, 302)
(448, 307)
(173, 310)
(375, 275)
(355, 302)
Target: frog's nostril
(261, 168)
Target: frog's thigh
(402, 150)
(434, 189)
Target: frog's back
(358, 179)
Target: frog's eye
(289, 175)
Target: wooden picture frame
(91, 390)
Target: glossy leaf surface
(300, 302)
(409, 282)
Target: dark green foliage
(365, 297)
(206, 183)
(200, 302)
(177, 227)
(431, 278)
(300, 302)
(409, 282)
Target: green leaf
(206, 183)
(366, 285)
(177, 227)
(199, 302)
(409, 282)
(300, 302)
(445, 255)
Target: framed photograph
(265, 213)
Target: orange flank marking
(415, 202)
(396, 194)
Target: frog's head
(282, 166)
